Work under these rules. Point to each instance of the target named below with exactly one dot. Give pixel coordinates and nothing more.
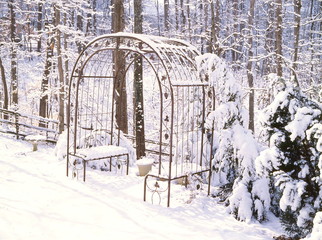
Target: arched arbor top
(176, 56)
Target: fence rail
(21, 125)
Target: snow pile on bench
(102, 151)
(35, 138)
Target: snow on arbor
(235, 150)
(103, 96)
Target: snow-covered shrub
(61, 146)
(245, 192)
(292, 160)
(316, 132)
(317, 228)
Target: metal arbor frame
(178, 102)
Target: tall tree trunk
(269, 42)
(297, 18)
(14, 61)
(138, 86)
(39, 26)
(215, 22)
(205, 27)
(311, 43)
(79, 25)
(4, 85)
(183, 17)
(89, 26)
(166, 17)
(278, 38)
(43, 104)
(94, 18)
(250, 76)
(235, 30)
(176, 5)
(61, 95)
(189, 19)
(119, 68)
(158, 16)
(66, 63)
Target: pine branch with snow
(245, 192)
(292, 160)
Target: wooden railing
(21, 125)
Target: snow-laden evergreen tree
(317, 228)
(292, 159)
(245, 192)
(316, 132)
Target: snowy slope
(37, 201)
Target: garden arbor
(172, 100)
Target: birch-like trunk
(61, 96)
(250, 75)
(119, 68)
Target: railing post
(144, 191)
(16, 114)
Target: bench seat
(101, 152)
(34, 140)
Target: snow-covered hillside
(37, 201)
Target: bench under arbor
(143, 92)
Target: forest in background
(40, 40)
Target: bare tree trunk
(89, 25)
(183, 17)
(213, 39)
(250, 76)
(4, 85)
(43, 104)
(14, 63)
(177, 14)
(235, 29)
(39, 26)
(61, 95)
(166, 17)
(66, 63)
(158, 16)
(297, 18)
(311, 42)
(278, 38)
(94, 18)
(138, 86)
(119, 68)
(269, 43)
(189, 19)
(215, 21)
(79, 25)
(206, 31)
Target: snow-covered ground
(38, 201)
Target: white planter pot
(144, 166)
(144, 169)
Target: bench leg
(127, 164)
(84, 174)
(34, 146)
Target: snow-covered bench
(99, 153)
(34, 140)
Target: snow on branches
(292, 123)
(235, 151)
